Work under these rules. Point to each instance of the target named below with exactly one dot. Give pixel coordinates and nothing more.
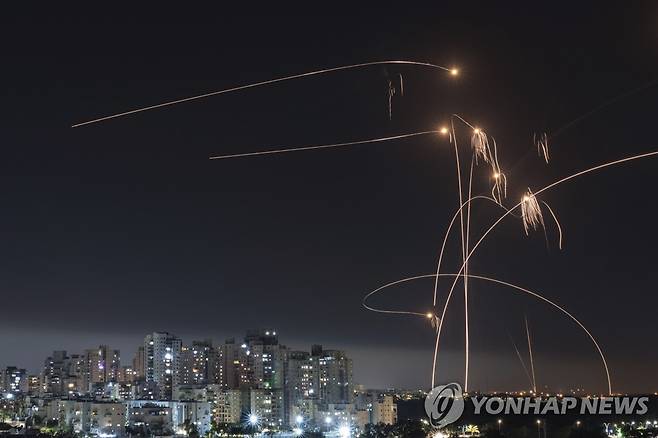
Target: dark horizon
(114, 230)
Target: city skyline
(254, 379)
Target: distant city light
(299, 419)
(253, 419)
(344, 431)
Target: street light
(539, 428)
(500, 422)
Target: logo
(444, 404)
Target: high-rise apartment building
(197, 363)
(334, 375)
(14, 380)
(102, 365)
(162, 357)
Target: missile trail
(323, 146)
(518, 354)
(260, 84)
(500, 219)
(532, 361)
(520, 289)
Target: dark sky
(113, 230)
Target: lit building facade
(162, 356)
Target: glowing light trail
(520, 289)
(323, 146)
(557, 222)
(532, 361)
(463, 242)
(518, 354)
(500, 219)
(263, 83)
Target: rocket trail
(260, 84)
(442, 252)
(557, 223)
(323, 146)
(518, 354)
(520, 289)
(500, 219)
(532, 361)
(463, 240)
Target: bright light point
(496, 175)
(476, 130)
(327, 420)
(344, 431)
(538, 421)
(454, 71)
(299, 419)
(429, 315)
(297, 431)
(526, 198)
(253, 419)
(439, 435)
(443, 130)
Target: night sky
(113, 230)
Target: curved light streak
(521, 289)
(322, 146)
(532, 361)
(463, 241)
(557, 222)
(500, 219)
(438, 266)
(257, 84)
(518, 354)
